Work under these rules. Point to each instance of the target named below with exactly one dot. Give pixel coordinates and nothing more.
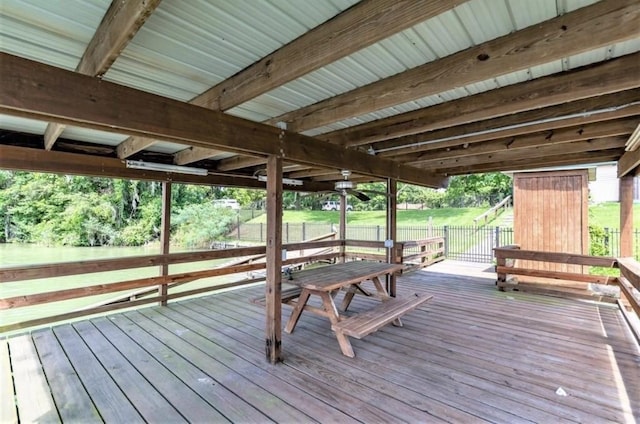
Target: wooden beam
(539, 93)
(620, 127)
(193, 154)
(392, 230)
(356, 28)
(165, 238)
(27, 159)
(602, 24)
(39, 91)
(629, 163)
(626, 216)
(343, 224)
(363, 24)
(544, 162)
(579, 112)
(133, 145)
(273, 288)
(51, 134)
(120, 23)
(239, 162)
(630, 269)
(529, 153)
(311, 172)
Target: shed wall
(550, 214)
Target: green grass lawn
(607, 215)
(604, 214)
(445, 216)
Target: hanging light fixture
(163, 167)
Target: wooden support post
(392, 212)
(626, 216)
(343, 224)
(273, 289)
(165, 237)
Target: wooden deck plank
(33, 397)
(440, 405)
(140, 392)
(71, 398)
(8, 413)
(472, 354)
(228, 403)
(446, 374)
(344, 396)
(174, 391)
(221, 365)
(111, 402)
(524, 395)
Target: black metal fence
(464, 243)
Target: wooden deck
(472, 354)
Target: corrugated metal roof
(185, 47)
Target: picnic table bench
(325, 282)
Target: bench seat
(287, 296)
(365, 323)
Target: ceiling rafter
(356, 28)
(526, 141)
(560, 37)
(579, 112)
(28, 159)
(545, 162)
(621, 74)
(41, 91)
(194, 154)
(530, 153)
(119, 25)
(629, 163)
(239, 162)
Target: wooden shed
(551, 211)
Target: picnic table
(325, 282)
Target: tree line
(56, 209)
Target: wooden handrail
(503, 203)
(514, 252)
(629, 281)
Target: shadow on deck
(472, 354)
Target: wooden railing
(421, 253)
(629, 280)
(322, 250)
(413, 254)
(504, 203)
(140, 291)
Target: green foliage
(199, 225)
(598, 241)
(477, 190)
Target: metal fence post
(378, 233)
(446, 241)
(304, 231)
(497, 238)
(287, 231)
(238, 225)
(261, 233)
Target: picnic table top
(332, 277)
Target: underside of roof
(414, 90)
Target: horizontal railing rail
(628, 281)
(322, 248)
(504, 203)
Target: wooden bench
(372, 320)
(287, 295)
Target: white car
(332, 205)
(227, 203)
